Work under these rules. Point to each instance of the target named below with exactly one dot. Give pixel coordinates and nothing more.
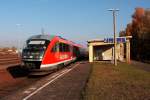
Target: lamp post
(114, 26)
(18, 40)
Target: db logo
(63, 56)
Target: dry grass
(123, 82)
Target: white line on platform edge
(46, 84)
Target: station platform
(69, 86)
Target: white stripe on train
(54, 64)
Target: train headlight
(30, 56)
(24, 56)
(41, 57)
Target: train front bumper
(35, 65)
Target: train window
(76, 51)
(56, 47)
(61, 47)
(67, 48)
(64, 47)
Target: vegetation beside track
(123, 82)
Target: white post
(128, 51)
(90, 53)
(114, 26)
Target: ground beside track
(121, 82)
(13, 78)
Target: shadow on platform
(17, 71)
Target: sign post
(114, 25)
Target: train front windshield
(35, 49)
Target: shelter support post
(90, 53)
(128, 51)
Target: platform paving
(141, 65)
(68, 87)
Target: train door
(76, 52)
(71, 51)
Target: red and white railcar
(47, 52)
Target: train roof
(41, 36)
(50, 37)
(73, 43)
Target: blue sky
(77, 20)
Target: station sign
(118, 40)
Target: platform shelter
(103, 50)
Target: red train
(48, 52)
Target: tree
(139, 29)
(122, 33)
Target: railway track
(16, 84)
(12, 77)
(6, 59)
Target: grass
(123, 82)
